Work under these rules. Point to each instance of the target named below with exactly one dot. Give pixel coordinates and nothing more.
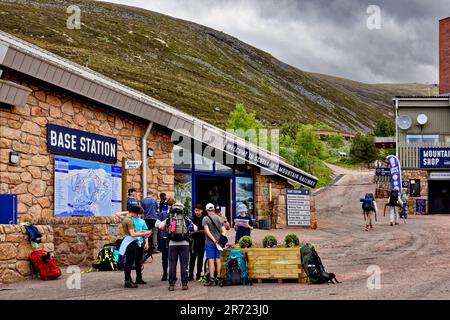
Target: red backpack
(45, 264)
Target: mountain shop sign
(271, 165)
(434, 158)
(81, 144)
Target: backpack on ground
(312, 264)
(105, 259)
(178, 225)
(393, 198)
(236, 269)
(44, 264)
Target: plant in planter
(269, 241)
(291, 240)
(245, 242)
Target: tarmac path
(413, 259)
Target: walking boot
(140, 281)
(211, 283)
(130, 284)
(164, 277)
(171, 287)
(191, 277)
(185, 286)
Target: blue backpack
(236, 267)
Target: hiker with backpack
(133, 245)
(198, 244)
(404, 210)
(243, 224)
(163, 234)
(394, 203)
(369, 207)
(150, 206)
(178, 225)
(214, 234)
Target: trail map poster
(86, 188)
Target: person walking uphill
(369, 207)
(132, 247)
(150, 206)
(198, 244)
(178, 225)
(395, 203)
(243, 224)
(214, 227)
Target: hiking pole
(384, 213)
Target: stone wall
(15, 249)
(24, 129)
(278, 189)
(78, 240)
(423, 176)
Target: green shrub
(245, 242)
(291, 240)
(269, 241)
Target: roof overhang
(38, 63)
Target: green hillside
(196, 69)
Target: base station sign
(298, 207)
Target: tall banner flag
(396, 173)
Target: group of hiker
(166, 227)
(397, 203)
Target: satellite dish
(422, 119)
(404, 122)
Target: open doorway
(439, 196)
(215, 190)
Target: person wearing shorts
(214, 227)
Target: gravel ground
(413, 259)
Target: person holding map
(243, 224)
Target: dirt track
(414, 260)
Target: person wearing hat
(214, 227)
(243, 224)
(133, 244)
(179, 226)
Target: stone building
(67, 137)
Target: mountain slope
(196, 69)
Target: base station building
(73, 141)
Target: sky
(394, 42)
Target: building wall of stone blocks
(24, 129)
(278, 191)
(78, 240)
(15, 249)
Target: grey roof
(13, 93)
(36, 62)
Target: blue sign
(274, 166)
(382, 172)
(303, 192)
(81, 144)
(421, 206)
(396, 173)
(405, 184)
(434, 158)
(8, 208)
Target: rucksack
(177, 225)
(45, 264)
(105, 260)
(236, 269)
(312, 264)
(367, 204)
(393, 198)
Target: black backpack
(313, 266)
(105, 260)
(393, 198)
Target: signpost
(133, 164)
(298, 207)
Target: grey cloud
(327, 36)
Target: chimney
(444, 56)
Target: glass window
(414, 188)
(223, 168)
(422, 138)
(244, 193)
(183, 189)
(203, 163)
(243, 169)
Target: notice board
(298, 207)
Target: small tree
(363, 149)
(384, 129)
(336, 141)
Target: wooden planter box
(272, 263)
